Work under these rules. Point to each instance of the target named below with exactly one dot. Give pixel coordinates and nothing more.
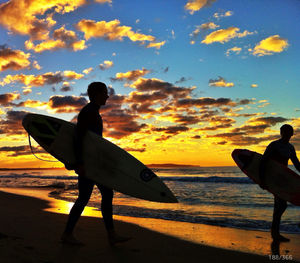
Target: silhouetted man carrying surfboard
(281, 151)
(90, 119)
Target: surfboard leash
(29, 140)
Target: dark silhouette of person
(90, 119)
(281, 151)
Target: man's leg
(279, 208)
(85, 188)
(107, 213)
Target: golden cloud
(220, 82)
(224, 35)
(113, 31)
(48, 78)
(62, 38)
(270, 45)
(69, 74)
(87, 71)
(106, 64)
(131, 75)
(7, 98)
(13, 59)
(156, 45)
(21, 16)
(195, 5)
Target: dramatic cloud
(14, 151)
(62, 38)
(147, 85)
(32, 17)
(269, 46)
(66, 103)
(224, 35)
(195, 5)
(269, 120)
(200, 102)
(174, 130)
(13, 123)
(6, 99)
(106, 65)
(48, 78)
(141, 150)
(13, 59)
(112, 30)
(120, 123)
(220, 82)
(130, 75)
(241, 138)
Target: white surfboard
(104, 162)
(279, 179)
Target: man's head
(286, 131)
(97, 92)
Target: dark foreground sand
(30, 232)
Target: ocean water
(221, 196)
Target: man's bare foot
(114, 238)
(70, 239)
(280, 238)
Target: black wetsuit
(89, 119)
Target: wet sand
(31, 224)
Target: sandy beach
(31, 224)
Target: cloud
(14, 151)
(71, 75)
(106, 65)
(195, 5)
(220, 82)
(156, 45)
(66, 103)
(236, 50)
(62, 38)
(7, 98)
(12, 125)
(13, 59)
(87, 71)
(103, 1)
(129, 149)
(48, 78)
(200, 102)
(174, 130)
(268, 120)
(131, 75)
(221, 15)
(203, 27)
(224, 35)
(112, 30)
(270, 45)
(32, 17)
(147, 85)
(121, 123)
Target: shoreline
(235, 241)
